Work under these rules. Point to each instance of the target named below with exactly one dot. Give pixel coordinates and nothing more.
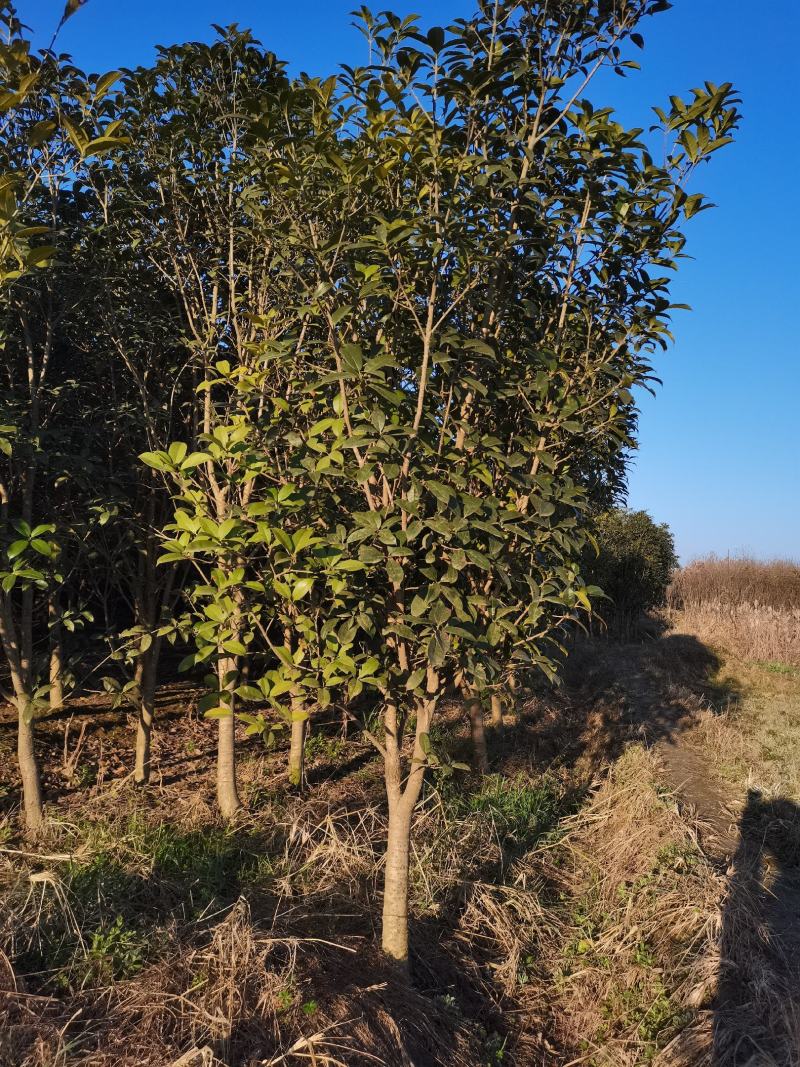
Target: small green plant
(643, 955)
(321, 747)
(115, 951)
(258, 870)
(85, 775)
(525, 970)
(310, 1008)
(495, 1050)
(285, 998)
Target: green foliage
(520, 808)
(327, 376)
(633, 565)
(115, 952)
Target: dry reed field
(751, 608)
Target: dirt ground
(627, 892)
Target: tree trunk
(480, 755)
(297, 753)
(26, 639)
(26, 754)
(152, 602)
(394, 931)
(497, 714)
(402, 801)
(56, 657)
(297, 744)
(227, 793)
(29, 770)
(146, 670)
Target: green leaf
(40, 257)
(194, 459)
(415, 679)
(177, 452)
(159, 461)
(369, 666)
(418, 606)
(220, 712)
(16, 548)
(301, 587)
(249, 692)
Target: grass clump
(521, 808)
(637, 941)
(116, 951)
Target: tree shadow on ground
(757, 1003)
(611, 695)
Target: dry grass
(755, 742)
(259, 949)
(747, 716)
(735, 582)
(258, 945)
(748, 607)
(563, 912)
(750, 631)
(641, 966)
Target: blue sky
(719, 457)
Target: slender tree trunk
(402, 801)
(26, 754)
(227, 793)
(480, 755)
(56, 656)
(26, 638)
(146, 670)
(497, 714)
(297, 744)
(297, 753)
(18, 643)
(29, 771)
(151, 605)
(394, 931)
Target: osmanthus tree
(271, 576)
(483, 276)
(136, 332)
(176, 206)
(53, 119)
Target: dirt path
(663, 716)
(754, 843)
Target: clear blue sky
(719, 457)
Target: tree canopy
(322, 379)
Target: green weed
(646, 1007)
(520, 807)
(776, 667)
(330, 749)
(116, 951)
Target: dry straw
(748, 607)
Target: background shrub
(633, 565)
